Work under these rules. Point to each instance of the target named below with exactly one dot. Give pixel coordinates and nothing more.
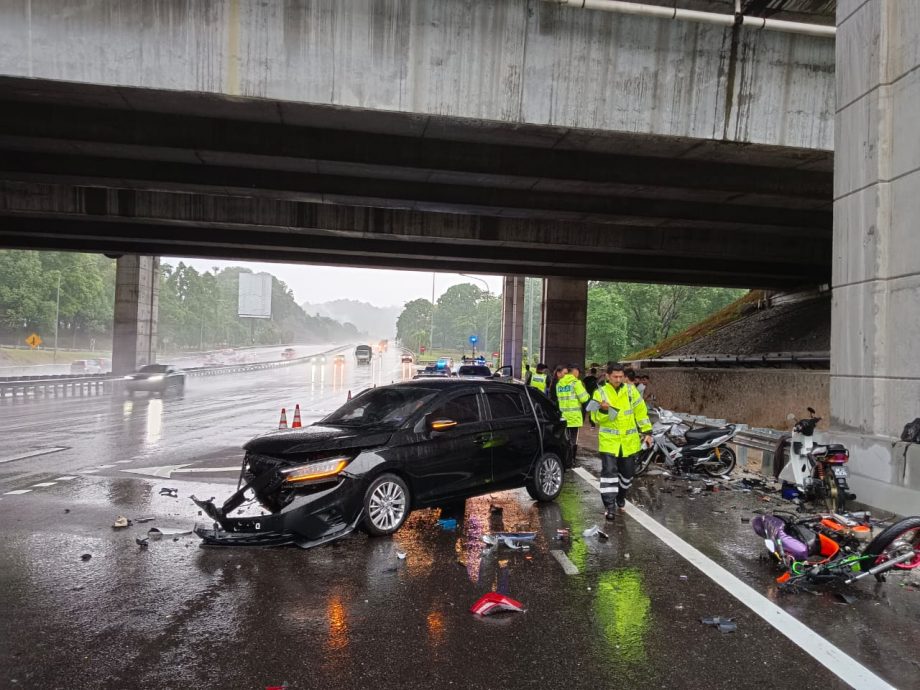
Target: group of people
(616, 406)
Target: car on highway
(406, 358)
(339, 360)
(88, 366)
(155, 378)
(318, 359)
(474, 371)
(388, 451)
(288, 353)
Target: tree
(414, 323)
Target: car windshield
(381, 406)
(153, 369)
(474, 370)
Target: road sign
(474, 339)
(33, 341)
(495, 354)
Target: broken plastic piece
(845, 598)
(683, 578)
(86, 556)
(401, 555)
(563, 533)
(510, 539)
(172, 493)
(159, 532)
(120, 522)
(141, 520)
(493, 602)
(725, 625)
(141, 542)
(595, 531)
(447, 524)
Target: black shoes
(609, 515)
(621, 504)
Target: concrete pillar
(137, 289)
(513, 323)
(565, 310)
(875, 326)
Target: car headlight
(155, 378)
(315, 470)
(129, 378)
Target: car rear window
(505, 405)
(462, 409)
(473, 370)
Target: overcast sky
(380, 287)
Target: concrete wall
(515, 61)
(757, 397)
(875, 328)
(137, 292)
(564, 321)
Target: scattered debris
(683, 578)
(447, 524)
(513, 540)
(86, 556)
(595, 531)
(142, 520)
(157, 533)
(845, 598)
(143, 543)
(401, 555)
(563, 533)
(493, 602)
(745, 519)
(496, 510)
(725, 625)
(66, 510)
(121, 522)
(172, 493)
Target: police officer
(570, 396)
(538, 380)
(621, 418)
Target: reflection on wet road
(352, 614)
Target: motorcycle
(682, 449)
(815, 473)
(823, 549)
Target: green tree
(413, 324)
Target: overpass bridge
(517, 137)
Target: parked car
(388, 451)
(155, 378)
(88, 366)
(474, 371)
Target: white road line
(89, 471)
(35, 486)
(122, 462)
(567, 566)
(831, 657)
(33, 454)
(64, 479)
(18, 492)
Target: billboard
(255, 296)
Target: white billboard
(255, 295)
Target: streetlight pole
(57, 316)
(431, 334)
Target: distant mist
(377, 322)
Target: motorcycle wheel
(835, 500)
(894, 540)
(723, 466)
(649, 455)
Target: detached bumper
(308, 520)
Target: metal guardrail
(755, 438)
(101, 384)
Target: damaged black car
(389, 451)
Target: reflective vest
(618, 430)
(571, 395)
(538, 381)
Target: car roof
(452, 383)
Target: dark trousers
(572, 433)
(616, 478)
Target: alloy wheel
(387, 506)
(550, 476)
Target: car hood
(310, 439)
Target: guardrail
(102, 384)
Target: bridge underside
(127, 170)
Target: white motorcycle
(681, 449)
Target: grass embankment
(721, 318)
(14, 357)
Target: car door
(457, 461)
(515, 440)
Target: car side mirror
(441, 424)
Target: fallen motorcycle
(814, 473)
(681, 449)
(823, 549)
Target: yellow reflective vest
(619, 429)
(571, 395)
(538, 381)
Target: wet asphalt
(354, 615)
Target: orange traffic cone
(282, 424)
(349, 396)
(296, 423)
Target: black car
(474, 371)
(388, 451)
(155, 378)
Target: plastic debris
(141, 542)
(160, 532)
(595, 531)
(725, 625)
(121, 522)
(683, 578)
(517, 541)
(141, 520)
(845, 598)
(401, 555)
(447, 524)
(493, 602)
(563, 533)
(172, 493)
(86, 556)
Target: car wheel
(545, 483)
(386, 505)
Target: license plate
(841, 472)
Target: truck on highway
(363, 354)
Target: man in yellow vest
(570, 396)
(621, 418)
(538, 380)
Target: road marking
(567, 566)
(89, 471)
(166, 471)
(122, 462)
(35, 486)
(831, 657)
(64, 479)
(34, 454)
(17, 492)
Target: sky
(380, 287)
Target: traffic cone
(349, 396)
(282, 424)
(296, 423)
